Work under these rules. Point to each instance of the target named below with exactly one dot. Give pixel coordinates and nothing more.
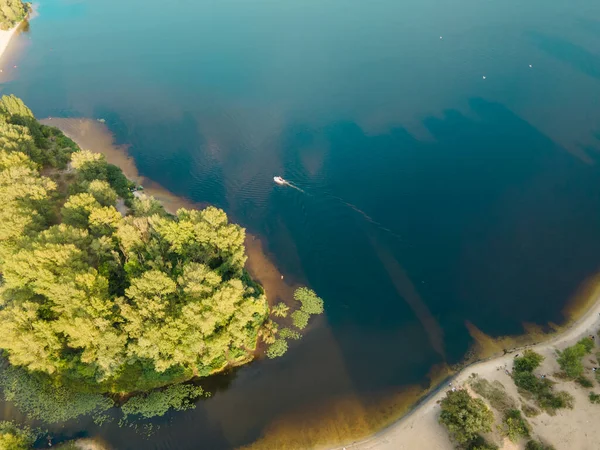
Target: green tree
(106, 303)
(13, 437)
(570, 358)
(12, 12)
(465, 417)
(514, 425)
(101, 190)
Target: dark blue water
(432, 196)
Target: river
(445, 155)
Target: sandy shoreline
(6, 36)
(567, 430)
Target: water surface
(433, 198)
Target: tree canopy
(465, 417)
(12, 12)
(121, 303)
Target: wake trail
(354, 208)
(292, 185)
(366, 216)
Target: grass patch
(530, 411)
(494, 393)
(584, 382)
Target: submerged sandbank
(568, 429)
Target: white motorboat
(279, 180)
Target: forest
(97, 300)
(12, 12)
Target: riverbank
(568, 429)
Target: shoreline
(6, 36)
(425, 412)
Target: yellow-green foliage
(13, 437)
(12, 12)
(112, 303)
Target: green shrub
(537, 445)
(594, 398)
(528, 362)
(479, 443)
(539, 389)
(178, 397)
(494, 393)
(570, 358)
(514, 425)
(465, 417)
(584, 382)
(277, 348)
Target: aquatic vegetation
(288, 333)
(277, 348)
(311, 303)
(280, 310)
(465, 417)
(37, 396)
(300, 319)
(179, 397)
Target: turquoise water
(431, 195)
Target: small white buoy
(484, 77)
(441, 37)
(530, 66)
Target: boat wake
(282, 182)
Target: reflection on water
(341, 382)
(440, 214)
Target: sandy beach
(568, 429)
(6, 36)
